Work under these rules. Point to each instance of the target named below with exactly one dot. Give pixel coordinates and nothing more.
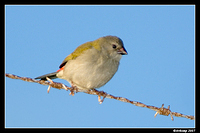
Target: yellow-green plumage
(79, 50)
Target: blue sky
(159, 67)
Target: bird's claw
(100, 100)
(73, 89)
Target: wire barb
(161, 110)
(49, 85)
(164, 111)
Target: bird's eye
(114, 46)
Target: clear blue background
(159, 67)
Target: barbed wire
(73, 90)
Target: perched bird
(92, 64)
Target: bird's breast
(91, 70)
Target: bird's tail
(50, 75)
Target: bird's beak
(122, 51)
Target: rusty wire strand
(161, 110)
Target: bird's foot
(100, 100)
(73, 89)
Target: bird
(92, 64)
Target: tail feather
(50, 75)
